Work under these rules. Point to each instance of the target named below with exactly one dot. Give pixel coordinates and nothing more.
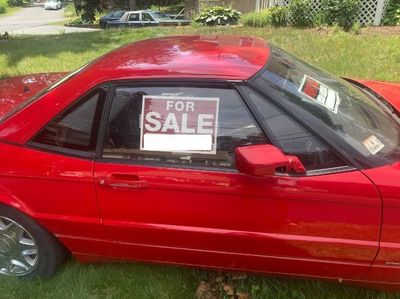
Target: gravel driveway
(36, 20)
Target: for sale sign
(179, 124)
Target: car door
(134, 20)
(169, 191)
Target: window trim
(189, 83)
(66, 151)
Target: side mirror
(266, 159)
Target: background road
(36, 20)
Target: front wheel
(26, 248)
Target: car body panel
(57, 191)
(112, 16)
(389, 91)
(206, 211)
(14, 91)
(387, 263)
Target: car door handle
(123, 182)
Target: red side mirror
(262, 160)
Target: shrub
(15, 3)
(257, 19)
(392, 14)
(300, 13)
(218, 15)
(2, 9)
(279, 16)
(341, 12)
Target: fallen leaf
(204, 291)
(242, 296)
(229, 290)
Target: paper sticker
(373, 144)
(320, 93)
(179, 124)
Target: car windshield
(160, 16)
(115, 14)
(358, 119)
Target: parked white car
(52, 4)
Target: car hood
(14, 91)
(389, 91)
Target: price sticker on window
(320, 94)
(179, 124)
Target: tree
(89, 8)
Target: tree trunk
(191, 8)
(132, 4)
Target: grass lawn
(370, 55)
(373, 54)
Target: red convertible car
(213, 151)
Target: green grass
(9, 10)
(138, 281)
(370, 55)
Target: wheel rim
(19, 253)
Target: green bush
(257, 19)
(218, 15)
(279, 16)
(392, 14)
(341, 12)
(15, 3)
(300, 13)
(2, 9)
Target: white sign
(179, 124)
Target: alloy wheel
(19, 252)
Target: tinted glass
(77, 127)
(134, 17)
(126, 135)
(146, 17)
(357, 118)
(291, 137)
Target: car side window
(77, 127)
(146, 17)
(183, 126)
(134, 17)
(291, 137)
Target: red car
(211, 151)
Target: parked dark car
(145, 18)
(112, 16)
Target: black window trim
(70, 152)
(195, 82)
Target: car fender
(9, 199)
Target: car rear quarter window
(77, 127)
(181, 126)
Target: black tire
(50, 251)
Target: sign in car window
(320, 93)
(179, 124)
